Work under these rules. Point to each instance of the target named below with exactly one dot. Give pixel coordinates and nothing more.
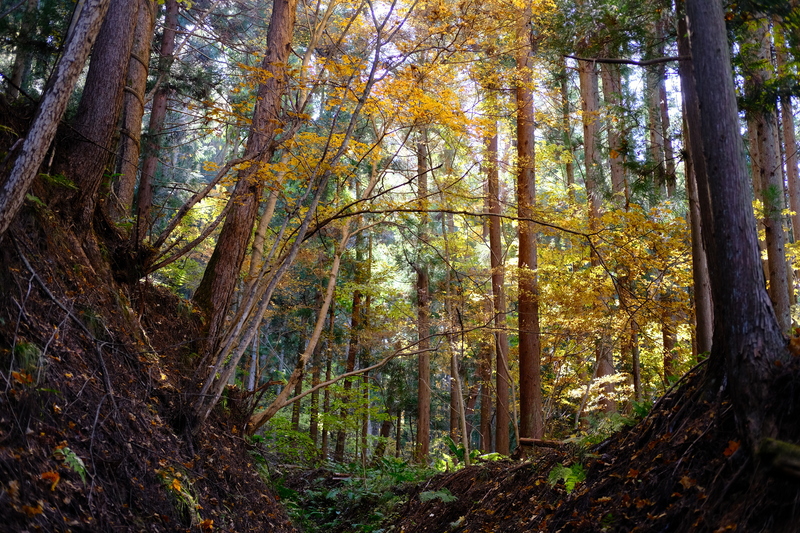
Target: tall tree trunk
(158, 114)
(97, 117)
(23, 54)
(485, 394)
(350, 365)
(326, 409)
(85, 27)
(502, 376)
(423, 308)
(530, 380)
(612, 94)
(569, 166)
(748, 342)
(789, 141)
(129, 147)
(222, 272)
(699, 201)
(770, 180)
(590, 103)
(313, 431)
(296, 406)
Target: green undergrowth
(352, 497)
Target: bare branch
(616, 61)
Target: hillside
(91, 435)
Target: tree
(127, 157)
(423, 307)
(84, 30)
(95, 121)
(749, 345)
(530, 382)
(216, 289)
(158, 113)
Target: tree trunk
(569, 166)
(748, 342)
(770, 181)
(326, 408)
(313, 431)
(530, 381)
(129, 147)
(158, 114)
(423, 309)
(590, 103)
(23, 53)
(97, 117)
(612, 94)
(502, 377)
(790, 143)
(699, 201)
(384, 433)
(51, 109)
(350, 365)
(222, 272)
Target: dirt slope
(679, 470)
(91, 375)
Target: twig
(81, 325)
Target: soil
(92, 433)
(681, 469)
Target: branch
(615, 61)
(377, 365)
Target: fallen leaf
(687, 482)
(52, 477)
(33, 511)
(733, 445)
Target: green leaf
(444, 495)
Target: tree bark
(158, 115)
(748, 343)
(129, 147)
(699, 201)
(770, 180)
(530, 381)
(612, 94)
(502, 377)
(423, 308)
(51, 108)
(222, 272)
(789, 142)
(98, 113)
(590, 104)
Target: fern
(72, 460)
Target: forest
(399, 265)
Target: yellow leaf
(33, 511)
(176, 485)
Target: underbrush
(349, 497)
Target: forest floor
(92, 433)
(93, 375)
(680, 469)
